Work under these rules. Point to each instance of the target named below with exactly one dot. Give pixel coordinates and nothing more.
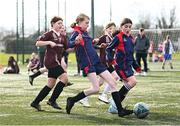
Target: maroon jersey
(104, 39)
(53, 55)
(34, 62)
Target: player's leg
(64, 66)
(164, 61)
(103, 97)
(43, 93)
(39, 72)
(92, 90)
(163, 65)
(128, 85)
(144, 58)
(115, 94)
(138, 58)
(170, 61)
(63, 79)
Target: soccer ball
(141, 110)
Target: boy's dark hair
(55, 19)
(125, 21)
(141, 29)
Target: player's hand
(113, 63)
(96, 40)
(103, 45)
(52, 44)
(78, 39)
(138, 70)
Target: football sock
(79, 96)
(42, 94)
(57, 91)
(106, 89)
(124, 90)
(116, 98)
(35, 74)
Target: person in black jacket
(141, 47)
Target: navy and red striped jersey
(124, 46)
(85, 52)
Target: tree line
(11, 45)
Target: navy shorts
(55, 72)
(123, 74)
(98, 68)
(167, 56)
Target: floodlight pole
(65, 13)
(58, 8)
(23, 31)
(17, 32)
(92, 18)
(38, 17)
(110, 11)
(45, 15)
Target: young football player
(124, 60)
(167, 51)
(55, 45)
(64, 62)
(103, 42)
(91, 65)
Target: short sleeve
(45, 37)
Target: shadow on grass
(164, 118)
(152, 119)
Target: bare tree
(163, 21)
(144, 22)
(172, 17)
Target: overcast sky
(133, 9)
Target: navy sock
(116, 98)
(123, 91)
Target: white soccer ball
(141, 110)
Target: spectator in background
(34, 63)
(12, 67)
(167, 51)
(155, 57)
(141, 48)
(151, 50)
(160, 47)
